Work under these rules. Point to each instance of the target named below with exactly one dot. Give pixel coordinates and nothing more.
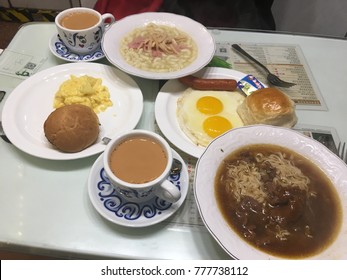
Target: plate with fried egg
(190, 119)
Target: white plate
(59, 49)
(166, 104)
(30, 103)
(113, 36)
(118, 210)
(219, 148)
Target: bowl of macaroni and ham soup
(158, 45)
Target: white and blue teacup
(160, 186)
(87, 40)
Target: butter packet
(249, 84)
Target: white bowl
(222, 146)
(113, 36)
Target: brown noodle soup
(278, 201)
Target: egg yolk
(209, 105)
(216, 125)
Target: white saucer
(59, 49)
(118, 210)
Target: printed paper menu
(19, 65)
(285, 61)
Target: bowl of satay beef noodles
(270, 192)
(158, 45)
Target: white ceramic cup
(83, 41)
(140, 192)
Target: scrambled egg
(84, 90)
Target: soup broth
(278, 201)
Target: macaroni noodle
(158, 48)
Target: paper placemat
(19, 65)
(285, 61)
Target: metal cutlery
(2, 133)
(272, 78)
(176, 167)
(106, 140)
(2, 94)
(342, 151)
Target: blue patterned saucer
(118, 210)
(59, 49)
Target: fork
(341, 152)
(272, 78)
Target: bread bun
(268, 106)
(72, 128)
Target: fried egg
(204, 115)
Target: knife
(2, 133)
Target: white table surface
(44, 205)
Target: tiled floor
(5, 255)
(7, 31)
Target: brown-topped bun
(268, 106)
(72, 128)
